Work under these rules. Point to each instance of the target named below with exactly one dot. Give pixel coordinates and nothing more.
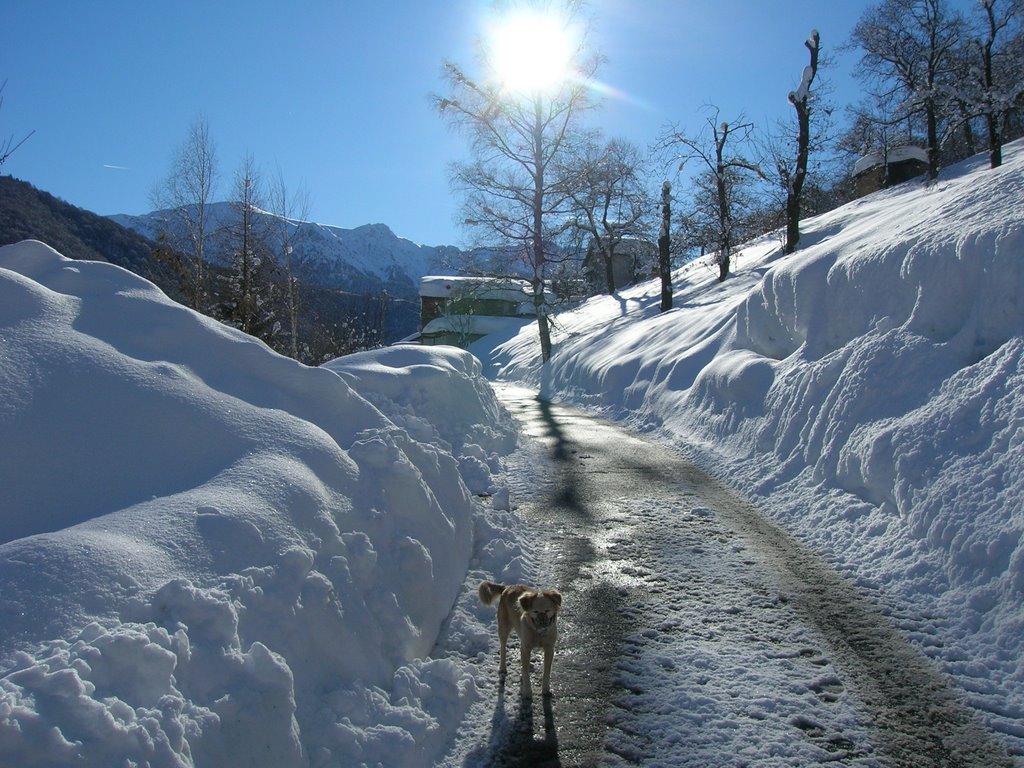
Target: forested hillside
(27, 213)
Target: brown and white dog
(533, 614)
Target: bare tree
(291, 209)
(514, 196)
(9, 145)
(908, 48)
(185, 196)
(875, 128)
(247, 299)
(793, 154)
(607, 186)
(998, 86)
(801, 101)
(719, 186)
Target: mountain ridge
(30, 213)
(369, 258)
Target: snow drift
(212, 554)
(866, 390)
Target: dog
(533, 614)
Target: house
(459, 310)
(634, 259)
(880, 170)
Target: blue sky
(336, 94)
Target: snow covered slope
(214, 555)
(867, 390)
(370, 258)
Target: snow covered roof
(495, 288)
(895, 155)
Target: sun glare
(531, 51)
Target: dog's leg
(525, 689)
(503, 629)
(549, 653)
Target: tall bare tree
(802, 103)
(607, 186)
(291, 209)
(724, 174)
(185, 197)
(514, 196)
(247, 297)
(998, 89)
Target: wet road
(614, 512)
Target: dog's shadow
(513, 741)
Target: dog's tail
(489, 592)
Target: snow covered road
(694, 633)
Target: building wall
(431, 308)
(876, 178)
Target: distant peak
(375, 229)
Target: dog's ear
(526, 600)
(554, 596)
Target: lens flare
(531, 51)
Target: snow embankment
(213, 555)
(868, 389)
(405, 382)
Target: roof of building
(495, 288)
(894, 155)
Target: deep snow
(866, 391)
(212, 551)
(215, 555)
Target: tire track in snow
(695, 632)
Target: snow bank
(867, 389)
(213, 555)
(405, 381)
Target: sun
(531, 51)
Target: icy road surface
(695, 633)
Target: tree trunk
(969, 142)
(723, 265)
(995, 138)
(724, 217)
(608, 254)
(544, 329)
(933, 141)
(995, 141)
(803, 114)
(664, 241)
(539, 258)
(796, 184)
(725, 235)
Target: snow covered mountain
(367, 259)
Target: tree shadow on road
(560, 451)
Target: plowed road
(695, 632)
